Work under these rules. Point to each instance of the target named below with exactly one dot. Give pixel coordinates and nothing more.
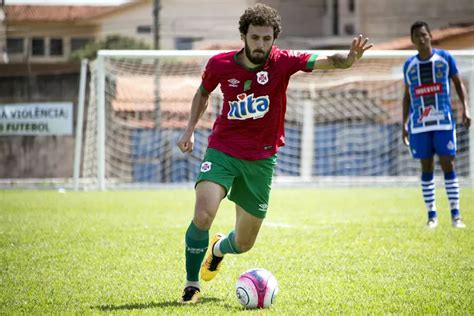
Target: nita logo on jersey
(247, 106)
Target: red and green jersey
(251, 124)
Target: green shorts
(249, 181)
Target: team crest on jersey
(262, 77)
(206, 166)
(248, 106)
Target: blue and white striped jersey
(428, 82)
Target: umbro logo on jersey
(233, 83)
(262, 77)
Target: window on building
(56, 47)
(184, 43)
(37, 46)
(335, 18)
(349, 29)
(351, 4)
(79, 42)
(15, 45)
(144, 29)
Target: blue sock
(428, 189)
(451, 184)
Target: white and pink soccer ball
(256, 288)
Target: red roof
(54, 13)
(438, 35)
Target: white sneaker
(432, 223)
(458, 223)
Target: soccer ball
(256, 288)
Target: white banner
(41, 118)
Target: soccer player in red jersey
(241, 154)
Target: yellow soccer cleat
(212, 264)
(191, 295)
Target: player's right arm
(406, 106)
(198, 107)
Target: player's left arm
(338, 61)
(462, 94)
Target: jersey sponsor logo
(247, 106)
(262, 77)
(233, 83)
(428, 89)
(206, 166)
(429, 114)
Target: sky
(66, 2)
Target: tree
(111, 42)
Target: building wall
(3, 37)
(47, 31)
(383, 20)
(125, 21)
(207, 21)
(203, 23)
(38, 156)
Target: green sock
(197, 241)
(227, 244)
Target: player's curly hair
(260, 15)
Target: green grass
(333, 251)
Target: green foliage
(333, 251)
(111, 42)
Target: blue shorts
(427, 144)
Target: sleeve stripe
(203, 90)
(310, 62)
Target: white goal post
(342, 126)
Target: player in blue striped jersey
(428, 123)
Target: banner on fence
(40, 118)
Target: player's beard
(259, 59)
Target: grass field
(342, 251)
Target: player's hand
(358, 47)
(186, 142)
(405, 136)
(466, 119)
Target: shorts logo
(262, 77)
(263, 207)
(450, 145)
(206, 166)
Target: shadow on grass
(132, 306)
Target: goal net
(341, 125)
